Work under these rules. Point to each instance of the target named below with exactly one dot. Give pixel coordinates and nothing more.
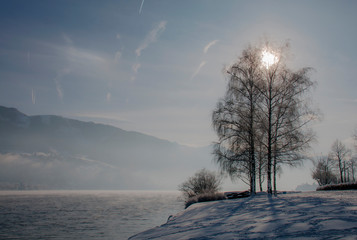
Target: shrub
(323, 173)
(202, 182)
(205, 197)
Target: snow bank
(309, 215)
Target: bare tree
(339, 153)
(262, 116)
(351, 166)
(234, 119)
(285, 112)
(323, 171)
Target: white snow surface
(308, 215)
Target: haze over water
(83, 214)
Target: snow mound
(309, 215)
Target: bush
(323, 173)
(203, 182)
(205, 197)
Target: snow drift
(310, 215)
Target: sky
(156, 66)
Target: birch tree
(263, 116)
(339, 153)
(234, 119)
(285, 111)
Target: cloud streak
(57, 81)
(141, 7)
(33, 97)
(109, 97)
(59, 89)
(209, 45)
(136, 67)
(198, 69)
(151, 37)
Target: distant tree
(323, 172)
(339, 153)
(355, 138)
(353, 161)
(352, 166)
(202, 182)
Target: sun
(268, 58)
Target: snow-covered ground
(309, 215)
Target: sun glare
(268, 58)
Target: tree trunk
(252, 138)
(352, 172)
(340, 166)
(269, 188)
(348, 175)
(260, 175)
(274, 175)
(253, 177)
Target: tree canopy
(261, 122)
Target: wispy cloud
(57, 80)
(141, 7)
(79, 55)
(109, 97)
(209, 45)
(151, 37)
(118, 36)
(33, 97)
(67, 39)
(136, 67)
(198, 69)
(59, 89)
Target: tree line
(339, 166)
(262, 120)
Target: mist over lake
(84, 214)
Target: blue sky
(156, 66)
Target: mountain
(48, 151)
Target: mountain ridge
(90, 155)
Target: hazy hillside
(56, 152)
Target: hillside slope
(310, 215)
(55, 152)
